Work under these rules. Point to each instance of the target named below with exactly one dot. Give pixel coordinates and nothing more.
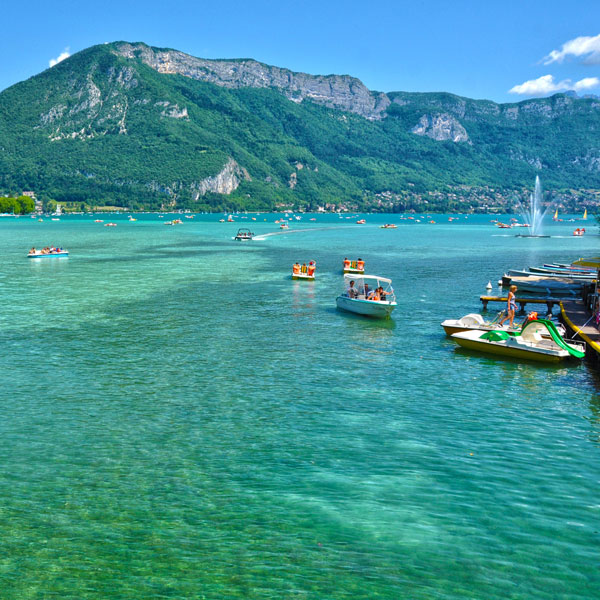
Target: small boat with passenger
(369, 295)
(357, 267)
(389, 226)
(48, 252)
(243, 235)
(305, 271)
(539, 340)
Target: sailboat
(585, 214)
(555, 217)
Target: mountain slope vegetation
(147, 128)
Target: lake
(180, 419)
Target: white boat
(304, 272)
(243, 235)
(474, 321)
(546, 285)
(539, 340)
(358, 302)
(53, 253)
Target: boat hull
(367, 308)
(509, 351)
(53, 255)
(303, 276)
(355, 271)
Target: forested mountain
(130, 125)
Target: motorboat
(51, 253)
(110, 224)
(98, 220)
(356, 267)
(579, 231)
(284, 226)
(388, 226)
(306, 272)
(361, 222)
(539, 340)
(358, 296)
(243, 235)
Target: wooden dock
(581, 324)
(523, 301)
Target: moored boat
(473, 321)
(368, 295)
(539, 340)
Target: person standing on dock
(511, 305)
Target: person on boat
(296, 268)
(511, 307)
(311, 268)
(32, 251)
(346, 263)
(368, 292)
(374, 295)
(352, 292)
(360, 264)
(304, 268)
(382, 293)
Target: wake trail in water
(264, 236)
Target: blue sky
(478, 48)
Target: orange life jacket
(360, 265)
(303, 268)
(296, 269)
(311, 270)
(346, 264)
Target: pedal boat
(380, 309)
(56, 254)
(474, 321)
(539, 340)
(243, 235)
(304, 274)
(471, 322)
(353, 268)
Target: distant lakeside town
(463, 199)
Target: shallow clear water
(180, 419)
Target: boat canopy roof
(354, 277)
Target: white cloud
(585, 46)
(546, 85)
(64, 54)
(586, 84)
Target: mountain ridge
(146, 126)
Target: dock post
(522, 305)
(485, 302)
(550, 306)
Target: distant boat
(585, 214)
(555, 217)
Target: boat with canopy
(360, 295)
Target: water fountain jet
(534, 216)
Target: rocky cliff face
(224, 182)
(335, 91)
(441, 128)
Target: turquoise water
(180, 419)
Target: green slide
(557, 337)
